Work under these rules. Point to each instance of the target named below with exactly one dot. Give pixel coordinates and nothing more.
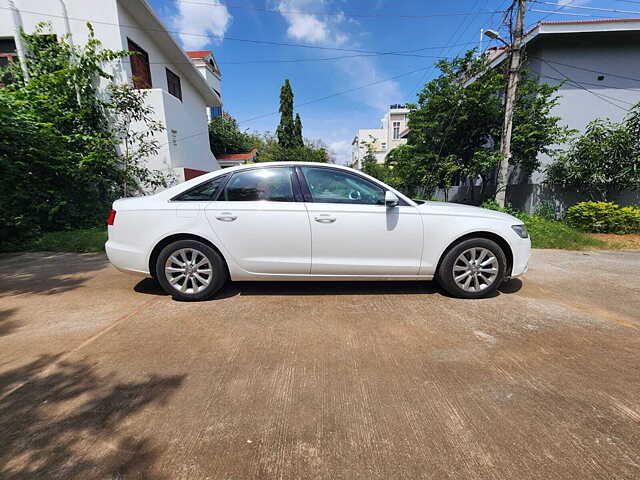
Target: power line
(602, 97)
(315, 100)
(335, 13)
(421, 80)
(582, 7)
(603, 85)
(587, 69)
(297, 60)
(336, 94)
(403, 53)
(557, 12)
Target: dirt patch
(630, 241)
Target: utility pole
(17, 28)
(515, 58)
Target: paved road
(102, 376)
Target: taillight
(111, 218)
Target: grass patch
(85, 240)
(553, 234)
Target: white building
(179, 92)
(381, 140)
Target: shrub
(604, 217)
(546, 210)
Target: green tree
(456, 124)
(134, 130)
(286, 131)
(270, 150)
(602, 161)
(226, 137)
(297, 132)
(60, 155)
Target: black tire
(445, 273)
(185, 249)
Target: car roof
(177, 189)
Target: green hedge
(604, 217)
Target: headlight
(521, 230)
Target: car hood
(459, 209)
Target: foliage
(82, 241)
(134, 128)
(270, 150)
(604, 217)
(286, 131)
(605, 159)
(455, 127)
(297, 132)
(547, 233)
(546, 210)
(59, 154)
(226, 137)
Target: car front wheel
(474, 268)
(190, 270)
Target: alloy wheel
(475, 269)
(188, 270)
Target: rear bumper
(126, 259)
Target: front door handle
(226, 217)
(325, 218)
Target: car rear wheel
(190, 270)
(474, 268)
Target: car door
(353, 232)
(261, 222)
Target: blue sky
(249, 90)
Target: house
(381, 140)
(227, 160)
(595, 62)
(180, 87)
(206, 64)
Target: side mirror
(391, 199)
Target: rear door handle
(226, 217)
(325, 218)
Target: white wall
(400, 116)
(186, 122)
(584, 62)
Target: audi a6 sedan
(309, 221)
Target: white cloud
(200, 22)
(326, 30)
(342, 151)
(568, 3)
(310, 27)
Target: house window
(384, 145)
(173, 84)
(140, 69)
(396, 130)
(7, 51)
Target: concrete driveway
(102, 376)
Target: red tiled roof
(237, 156)
(190, 173)
(199, 53)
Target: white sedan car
(309, 221)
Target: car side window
(205, 192)
(260, 184)
(334, 186)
